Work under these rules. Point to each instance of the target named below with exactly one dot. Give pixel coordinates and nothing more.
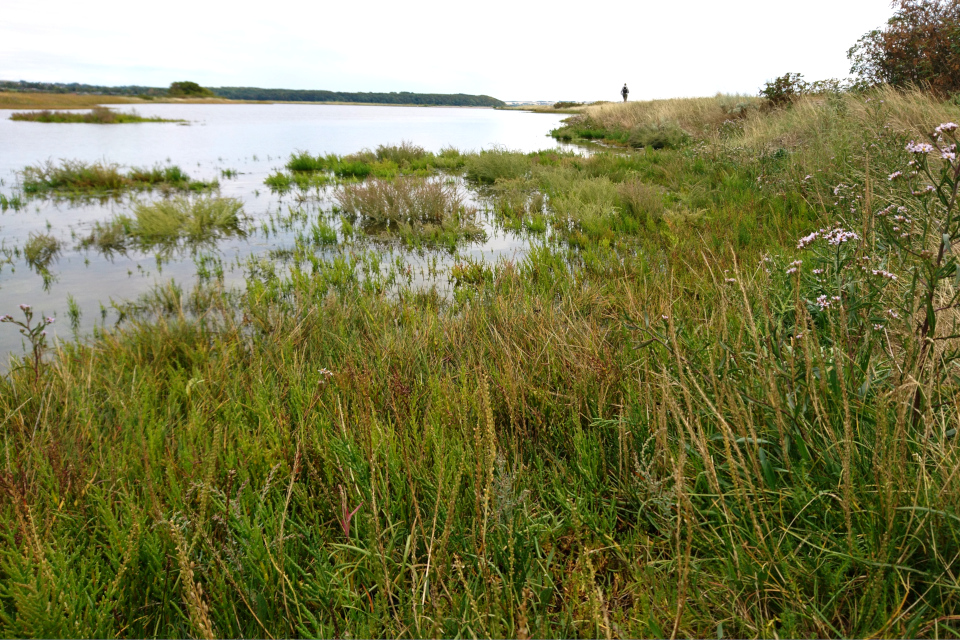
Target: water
(253, 140)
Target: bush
(187, 89)
(782, 91)
(917, 46)
(666, 135)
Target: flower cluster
(794, 266)
(805, 240)
(838, 236)
(884, 274)
(920, 148)
(894, 175)
(946, 127)
(825, 303)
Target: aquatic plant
(168, 222)
(410, 208)
(78, 178)
(40, 250)
(97, 115)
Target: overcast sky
(510, 49)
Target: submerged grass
(97, 115)
(657, 423)
(77, 178)
(167, 223)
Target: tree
(187, 89)
(919, 45)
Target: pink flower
(894, 175)
(919, 147)
(24, 307)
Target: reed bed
(97, 115)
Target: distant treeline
(403, 97)
(76, 87)
(255, 93)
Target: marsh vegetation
(74, 178)
(715, 396)
(97, 115)
(169, 223)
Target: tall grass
(650, 425)
(413, 209)
(97, 115)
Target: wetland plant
(97, 115)
(40, 250)
(79, 178)
(168, 222)
(36, 335)
(415, 209)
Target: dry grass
(692, 114)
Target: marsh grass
(97, 115)
(75, 178)
(658, 431)
(40, 250)
(415, 210)
(169, 223)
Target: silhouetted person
(625, 92)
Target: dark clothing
(625, 92)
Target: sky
(509, 49)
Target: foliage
(784, 90)
(686, 410)
(187, 89)
(918, 46)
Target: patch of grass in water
(169, 222)
(79, 178)
(40, 250)
(415, 210)
(97, 115)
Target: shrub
(187, 89)
(782, 91)
(917, 46)
(666, 135)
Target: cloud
(509, 49)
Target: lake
(251, 140)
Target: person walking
(625, 92)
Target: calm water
(253, 140)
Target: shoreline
(16, 101)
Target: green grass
(97, 115)
(645, 426)
(414, 210)
(75, 178)
(40, 250)
(166, 223)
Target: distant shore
(32, 100)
